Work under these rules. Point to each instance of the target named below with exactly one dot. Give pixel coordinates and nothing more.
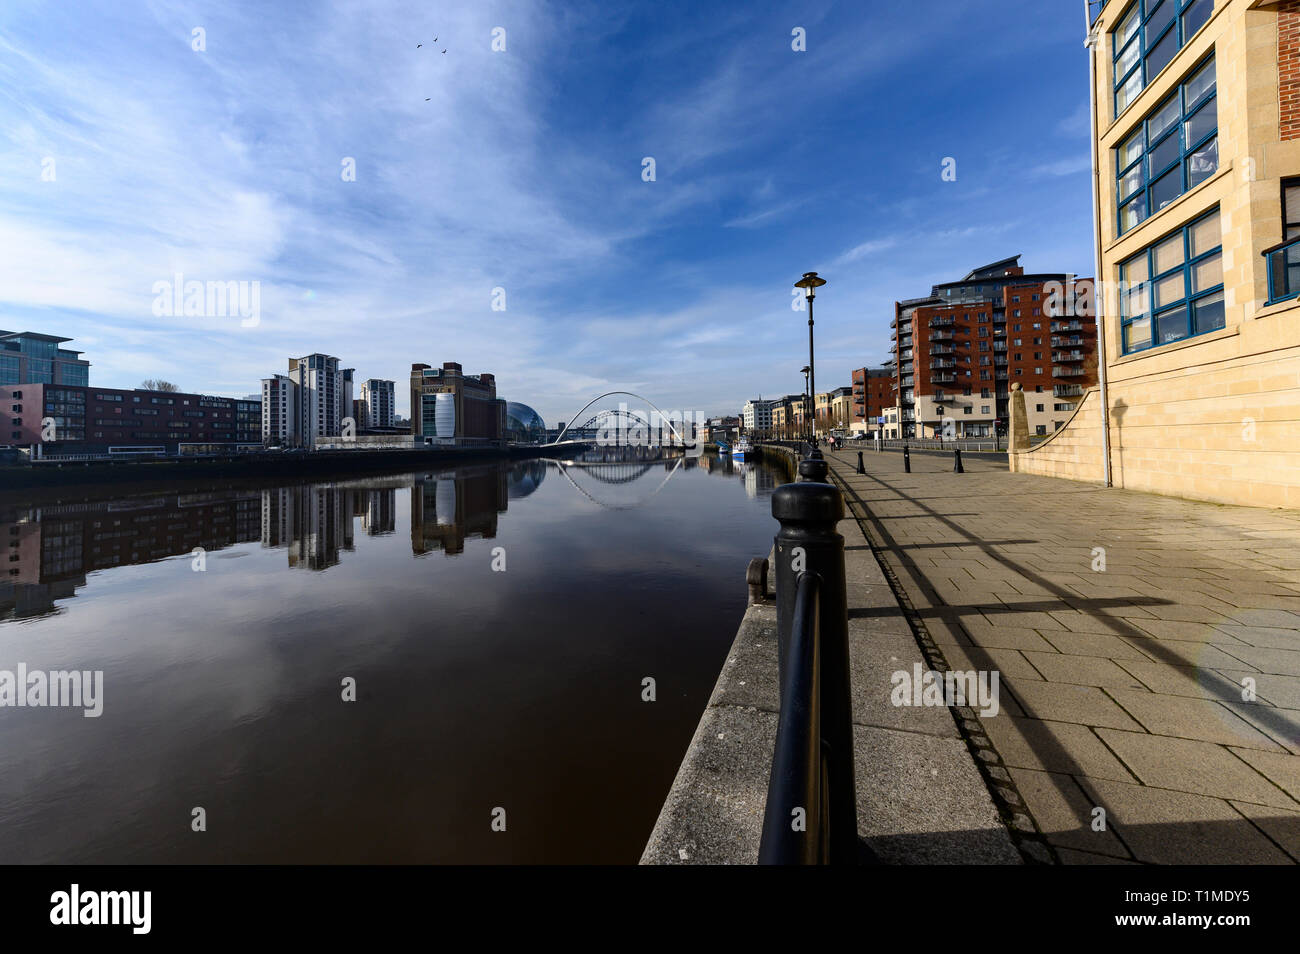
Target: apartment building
(1196, 107)
(872, 393)
(757, 417)
(376, 403)
(959, 349)
(451, 407)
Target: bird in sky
(418, 45)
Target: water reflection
(479, 688)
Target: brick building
(873, 392)
(85, 420)
(451, 407)
(959, 349)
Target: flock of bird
(417, 46)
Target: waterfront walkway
(1148, 650)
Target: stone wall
(1073, 452)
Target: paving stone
(1085, 705)
(1082, 670)
(1063, 813)
(1181, 717)
(1053, 747)
(1264, 636)
(1282, 770)
(1093, 644)
(1167, 827)
(1282, 827)
(1282, 661)
(1199, 767)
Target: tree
(157, 384)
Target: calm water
(476, 688)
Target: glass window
(1167, 188)
(1290, 209)
(1186, 297)
(1162, 53)
(1209, 313)
(1204, 234)
(1172, 325)
(1147, 38)
(1203, 163)
(1196, 16)
(1168, 254)
(1208, 272)
(1181, 149)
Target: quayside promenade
(1148, 650)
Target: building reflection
(50, 549)
(448, 507)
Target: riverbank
(230, 469)
(921, 799)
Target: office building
(27, 357)
(1196, 108)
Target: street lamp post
(805, 371)
(810, 283)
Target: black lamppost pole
(810, 283)
(805, 371)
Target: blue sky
(523, 171)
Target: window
(1175, 148)
(1146, 40)
(984, 392)
(1038, 407)
(968, 410)
(1173, 289)
(1290, 215)
(1041, 429)
(984, 408)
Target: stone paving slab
(1148, 650)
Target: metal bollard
(907, 460)
(957, 468)
(808, 541)
(861, 468)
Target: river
(442, 666)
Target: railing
(1067, 390)
(1067, 356)
(811, 812)
(1067, 372)
(1283, 270)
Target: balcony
(1067, 326)
(942, 349)
(1068, 372)
(1283, 270)
(999, 361)
(943, 377)
(1067, 356)
(1062, 342)
(907, 354)
(942, 322)
(1067, 390)
(942, 363)
(999, 346)
(939, 334)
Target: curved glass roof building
(524, 425)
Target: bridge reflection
(52, 548)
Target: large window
(1172, 150)
(1174, 289)
(1147, 38)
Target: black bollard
(956, 461)
(808, 542)
(907, 460)
(861, 468)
